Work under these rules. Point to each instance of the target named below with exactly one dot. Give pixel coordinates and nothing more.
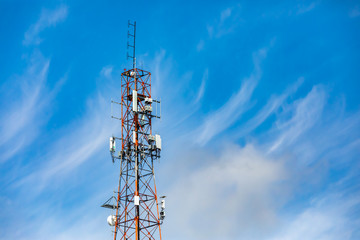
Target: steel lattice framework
(136, 204)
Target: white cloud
(48, 18)
(160, 72)
(271, 106)
(164, 73)
(242, 193)
(355, 12)
(333, 137)
(57, 166)
(229, 113)
(225, 14)
(210, 30)
(27, 98)
(327, 218)
(234, 195)
(304, 8)
(308, 127)
(47, 217)
(200, 45)
(306, 113)
(202, 86)
(85, 138)
(107, 71)
(225, 23)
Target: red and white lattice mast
(136, 204)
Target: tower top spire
(131, 42)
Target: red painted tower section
(136, 202)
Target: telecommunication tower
(136, 203)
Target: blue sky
(260, 116)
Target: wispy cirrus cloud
(229, 113)
(329, 217)
(335, 140)
(274, 103)
(163, 73)
(304, 8)
(305, 130)
(306, 113)
(28, 96)
(226, 190)
(200, 45)
(224, 24)
(201, 91)
(221, 185)
(27, 99)
(354, 12)
(107, 71)
(69, 149)
(83, 221)
(48, 18)
(85, 138)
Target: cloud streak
(355, 12)
(304, 8)
(26, 98)
(226, 23)
(328, 218)
(307, 112)
(25, 113)
(274, 103)
(230, 112)
(48, 18)
(85, 139)
(202, 86)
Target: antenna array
(136, 203)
